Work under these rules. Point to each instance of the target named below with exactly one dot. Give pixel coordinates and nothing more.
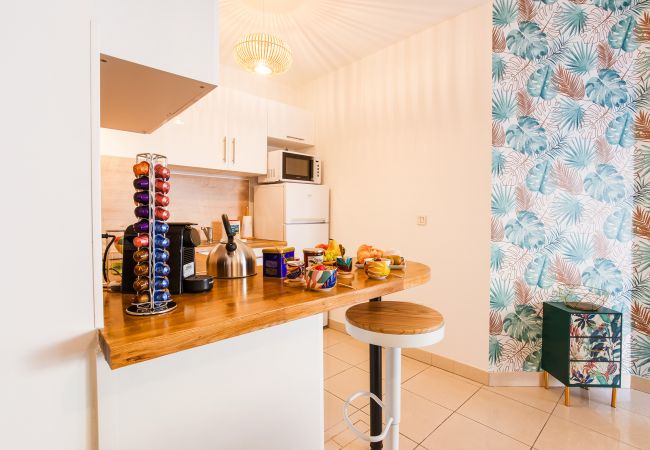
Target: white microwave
(286, 166)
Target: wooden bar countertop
(232, 308)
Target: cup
(318, 279)
(377, 268)
(295, 270)
(344, 265)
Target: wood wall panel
(198, 198)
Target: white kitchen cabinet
(197, 136)
(180, 37)
(225, 130)
(246, 129)
(289, 126)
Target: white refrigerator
(297, 213)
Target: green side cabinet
(582, 348)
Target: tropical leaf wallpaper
(571, 173)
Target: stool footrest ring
(355, 430)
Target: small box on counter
(275, 261)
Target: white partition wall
(262, 390)
(47, 333)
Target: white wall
(47, 337)
(406, 131)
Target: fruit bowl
(377, 268)
(320, 278)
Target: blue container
(275, 261)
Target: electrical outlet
(422, 220)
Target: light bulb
(263, 69)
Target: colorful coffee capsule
(161, 296)
(141, 183)
(161, 241)
(161, 255)
(141, 240)
(161, 200)
(141, 212)
(161, 172)
(142, 226)
(161, 269)
(162, 186)
(161, 214)
(161, 283)
(141, 269)
(142, 297)
(141, 284)
(161, 227)
(141, 255)
(141, 168)
(141, 197)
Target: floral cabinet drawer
(582, 349)
(595, 325)
(595, 349)
(590, 373)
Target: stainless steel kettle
(231, 258)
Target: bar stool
(393, 325)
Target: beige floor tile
(419, 416)
(346, 383)
(333, 410)
(461, 433)
(332, 337)
(537, 397)
(333, 365)
(620, 424)
(334, 430)
(629, 399)
(441, 387)
(404, 444)
(331, 445)
(560, 434)
(361, 423)
(410, 367)
(351, 351)
(519, 421)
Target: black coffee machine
(184, 239)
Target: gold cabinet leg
(567, 396)
(613, 397)
(545, 379)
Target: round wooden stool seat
(395, 324)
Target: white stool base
(393, 395)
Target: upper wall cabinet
(225, 130)
(290, 127)
(180, 37)
(246, 129)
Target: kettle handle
(230, 246)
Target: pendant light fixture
(263, 53)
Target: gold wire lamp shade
(263, 53)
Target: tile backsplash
(195, 197)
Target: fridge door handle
(307, 220)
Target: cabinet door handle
(233, 150)
(224, 149)
(296, 138)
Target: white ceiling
(327, 34)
